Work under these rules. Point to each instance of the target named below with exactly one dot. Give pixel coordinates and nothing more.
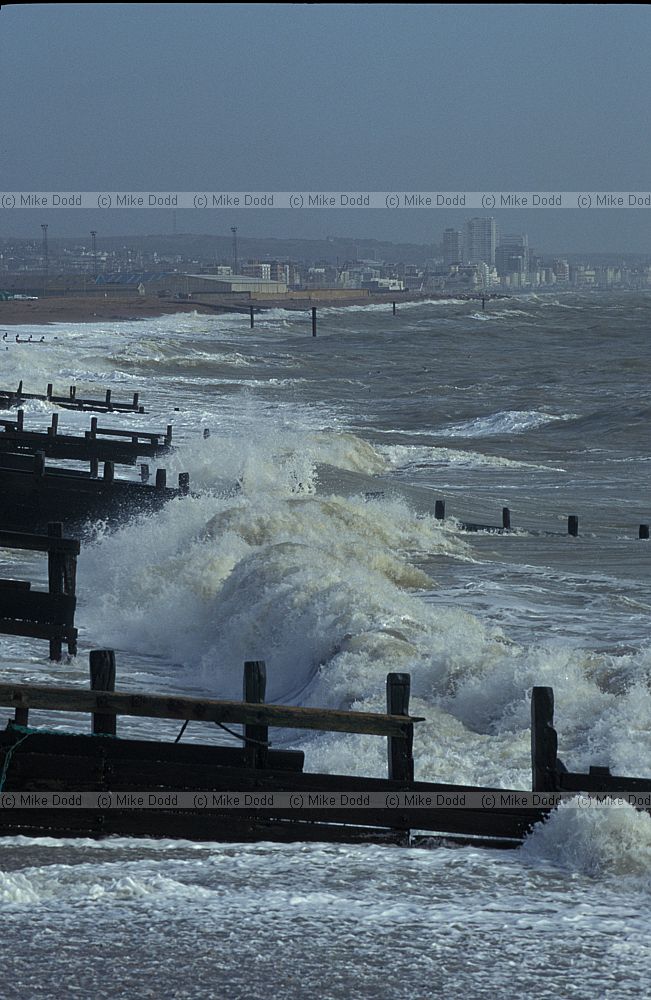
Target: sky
(373, 97)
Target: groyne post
(573, 525)
(102, 678)
(544, 741)
(400, 748)
(55, 579)
(506, 519)
(644, 531)
(439, 510)
(256, 737)
(314, 321)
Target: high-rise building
(452, 246)
(481, 240)
(561, 269)
(512, 255)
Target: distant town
(478, 258)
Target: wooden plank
(38, 543)
(198, 755)
(201, 710)
(33, 630)
(182, 825)
(574, 782)
(38, 772)
(37, 606)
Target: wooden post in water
(573, 525)
(206, 433)
(52, 429)
(314, 321)
(161, 479)
(55, 580)
(255, 686)
(93, 427)
(394, 308)
(135, 400)
(644, 531)
(144, 473)
(94, 468)
(400, 748)
(168, 433)
(506, 518)
(544, 741)
(20, 417)
(39, 463)
(252, 320)
(73, 391)
(439, 510)
(48, 391)
(109, 472)
(108, 400)
(102, 678)
(184, 483)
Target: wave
(503, 422)
(410, 458)
(603, 840)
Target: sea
(310, 541)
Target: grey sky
(328, 97)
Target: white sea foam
(408, 457)
(503, 422)
(608, 840)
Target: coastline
(76, 309)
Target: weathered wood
(257, 737)
(33, 630)
(55, 580)
(203, 710)
(71, 401)
(102, 678)
(400, 748)
(602, 782)
(200, 757)
(34, 613)
(198, 826)
(36, 606)
(544, 741)
(38, 543)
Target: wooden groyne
(10, 398)
(43, 614)
(119, 445)
(33, 493)
(94, 785)
(507, 526)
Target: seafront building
(481, 241)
